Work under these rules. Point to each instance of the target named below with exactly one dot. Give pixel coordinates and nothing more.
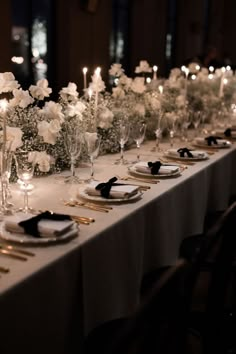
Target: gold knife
(17, 250)
(12, 255)
(4, 269)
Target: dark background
(95, 33)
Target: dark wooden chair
(155, 327)
(210, 287)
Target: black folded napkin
(31, 225)
(228, 132)
(155, 167)
(212, 139)
(105, 187)
(184, 151)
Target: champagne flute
(123, 138)
(93, 141)
(139, 130)
(72, 142)
(25, 165)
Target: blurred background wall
(57, 38)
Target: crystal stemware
(139, 130)
(72, 142)
(124, 130)
(93, 143)
(25, 165)
(5, 168)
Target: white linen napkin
(203, 142)
(196, 154)
(123, 191)
(47, 228)
(164, 169)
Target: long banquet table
(52, 301)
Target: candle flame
(98, 71)
(155, 68)
(85, 70)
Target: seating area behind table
(58, 297)
(190, 308)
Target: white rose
(8, 82)
(53, 110)
(40, 90)
(21, 98)
(14, 137)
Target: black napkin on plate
(228, 132)
(31, 225)
(155, 167)
(105, 187)
(212, 139)
(184, 151)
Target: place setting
(156, 170)
(187, 155)
(211, 142)
(42, 229)
(109, 192)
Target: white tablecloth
(51, 301)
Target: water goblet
(93, 144)
(139, 130)
(124, 130)
(25, 165)
(72, 142)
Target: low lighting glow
(211, 68)
(225, 81)
(148, 80)
(210, 76)
(17, 60)
(193, 77)
(85, 70)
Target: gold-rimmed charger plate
(133, 171)
(37, 241)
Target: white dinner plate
(133, 171)
(205, 156)
(30, 240)
(85, 195)
(212, 146)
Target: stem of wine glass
(26, 199)
(171, 138)
(122, 153)
(138, 152)
(91, 168)
(72, 167)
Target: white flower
(175, 73)
(49, 131)
(116, 70)
(43, 160)
(139, 109)
(118, 92)
(21, 98)
(53, 110)
(14, 137)
(125, 81)
(40, 90)
(70, 92)
(97, 85)
(76, 110)
(180, 101)
(105, 118)
(193, 68)
(138, 85)
(143, 67)
(8, 82)
(155, 103)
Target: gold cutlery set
(14, 253)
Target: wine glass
(25, 165)
(171, 129)
(123, 138)
(139, 130)
(93, 141)
(158, 134)
(72, 142)
(5, 169)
